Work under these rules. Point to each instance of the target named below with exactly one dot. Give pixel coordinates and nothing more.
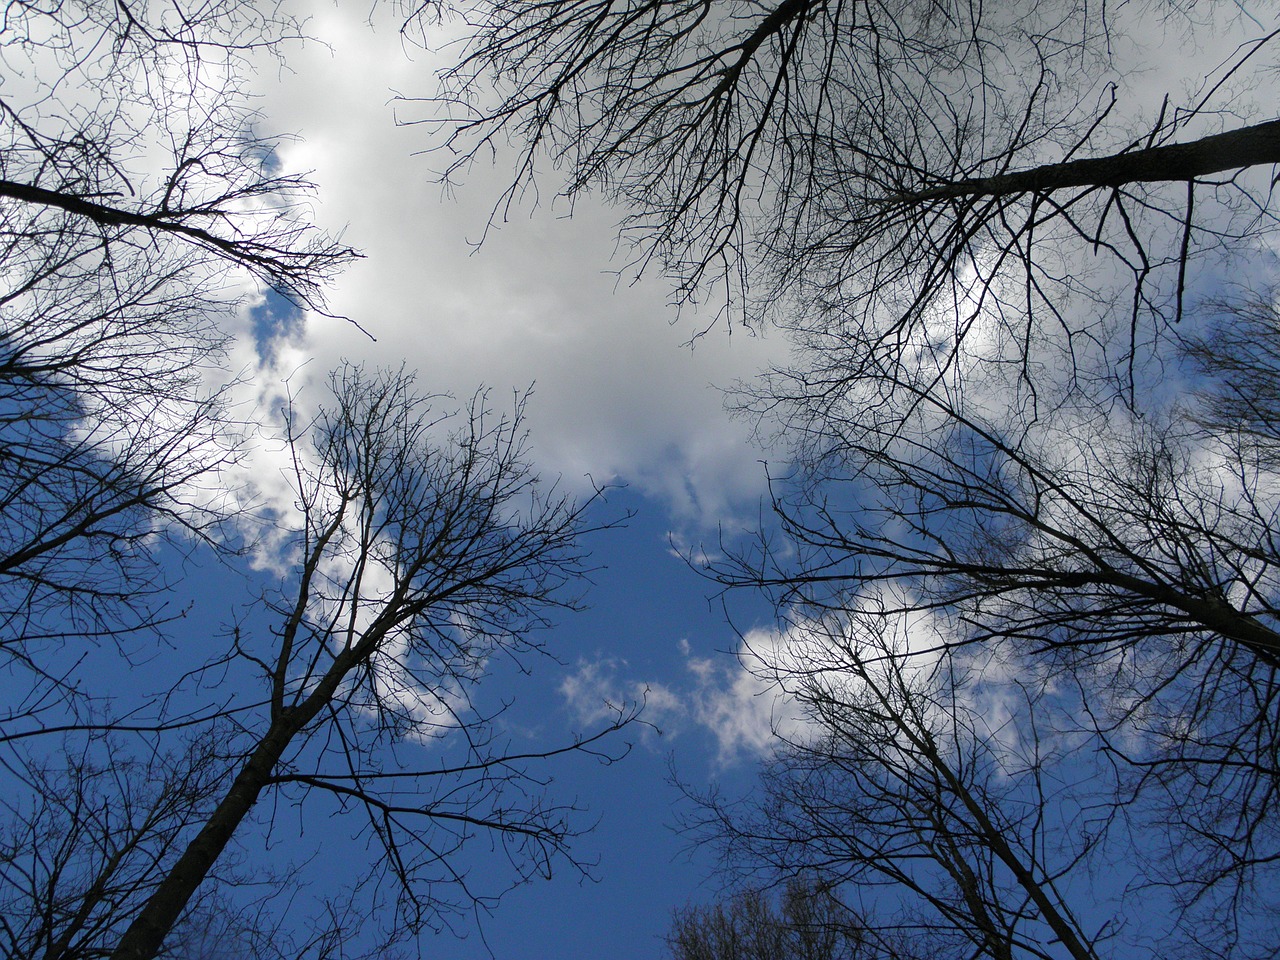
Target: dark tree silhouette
(424, 549)
(910, 797)
(807, 924)
(866, 166)
(418, 559)
(1114, 575)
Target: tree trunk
(144, 937)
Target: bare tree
(418, 557)
(953, 804)
(1115, 574)
(919, 796)
(807, 924)
(863, 166)
(139, 209)
(96, 88)
(422, 551)
(90, 833)
(109, 436)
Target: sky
(619, 389)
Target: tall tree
(1105, 585)
(423, 550)
(142, 215)
(923, 800)
(89, 832)
(869, 164)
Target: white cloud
(785, 684)
(616, 395)
(742, 710)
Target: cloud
(788, 683)
(743, 711)
(619, 395)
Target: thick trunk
(1210, 612)
(1172, 163)
(143, 938)
(1215, 614)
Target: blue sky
(647, 610)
